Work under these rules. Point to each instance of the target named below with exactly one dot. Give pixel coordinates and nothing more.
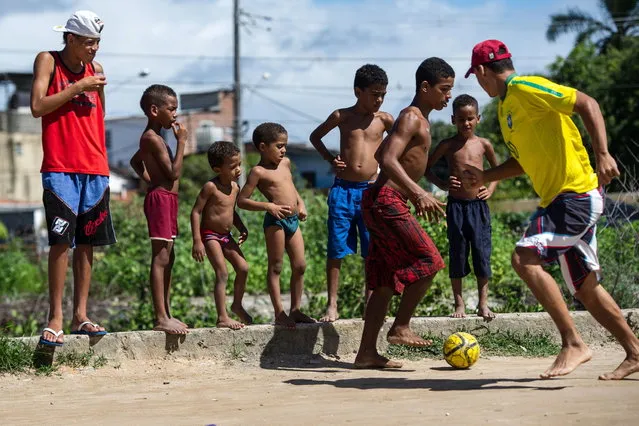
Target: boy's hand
(484, 193)
(454, 183)
(338, 163)
(92, 83)
(301, 213)
(198, 251)
(180, 132)
(243, 237)
(606, 169)
(278, 211)
(472, 177)
(428, 206)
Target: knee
(242, 269)
(275, 266)
(162, 259)
(298, 268)
(221, 275)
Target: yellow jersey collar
(508, 80)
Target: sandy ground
(320, 391)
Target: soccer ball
(461, 350)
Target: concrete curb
(260, 342)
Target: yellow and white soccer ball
(461, 350)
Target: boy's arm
(301, 207)
(239, 225)
(157, 148)
(41, 104)
(138, 166)
(244, 198)
(322, 130)
(433, 158)
(407, 126)
(198, 252)
(100, 69)
(474, 177)
(388, 120)
(589, 111)
(489, 152)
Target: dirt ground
(320, 391)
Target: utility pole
(237, 88)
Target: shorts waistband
(161, 189)
(464, 201)
(387, 191)
(351, 184)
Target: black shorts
(77, 209)
(469, 229)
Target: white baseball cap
(83, 23)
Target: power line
(284, 106)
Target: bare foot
(299, 316)
(569, 358)
(331, 315)
(406, 336)
(485, 313)
(284, 320)
(375, 361)
(629, 366)
(242, 314)
(460, 312)
(228, 323)
(183, 324)
(170, 326)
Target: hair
(219, 151)
(267, 133)
(370, 74)
(432, 70)
(155, 94)
(500, 66)
(465, 100)
(64, 37)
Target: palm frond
(574, 20)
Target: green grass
(18, 357)
(495, 344)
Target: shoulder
(209, 188)
(256, 172)
(485, 142)
(97, 66)
(45, 59)
(536, 84)
(411, 117)
(385, 117)
(150, 138)
(445, 143)
(286, 162)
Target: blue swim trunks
(288, 224)
(345, 219)
(469, 229)
(77, 209)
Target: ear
(452, 119)
(153, 110)
(217, 169)
(478, 118)
(358, 92)
(480, 69)
(424, 86)
(262, 146)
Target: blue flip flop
(57, 334)
(89, 333)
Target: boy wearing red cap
(535, 120)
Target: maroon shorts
(161, 211)
(400, 251)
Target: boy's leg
(216, 256)
(482, 308)
(234, 255)
(574, 351)
(274, 237)
(57, 271)
(400, 332)
(367, 355)
(168, 272)
(332, 279)
(295, 250)
(606, 311)
(160, 260)
(460, 307)
(82, 265)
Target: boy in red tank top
(68, 93)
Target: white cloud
(146, 33)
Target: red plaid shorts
(400, 251)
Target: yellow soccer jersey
(534, 117)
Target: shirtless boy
(467, 213)
(402, 258)
(155, 164)
(361, 128)
(212, 218)
(283, 211)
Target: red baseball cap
(487, 51)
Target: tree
(620, 19)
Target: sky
(299, 57)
